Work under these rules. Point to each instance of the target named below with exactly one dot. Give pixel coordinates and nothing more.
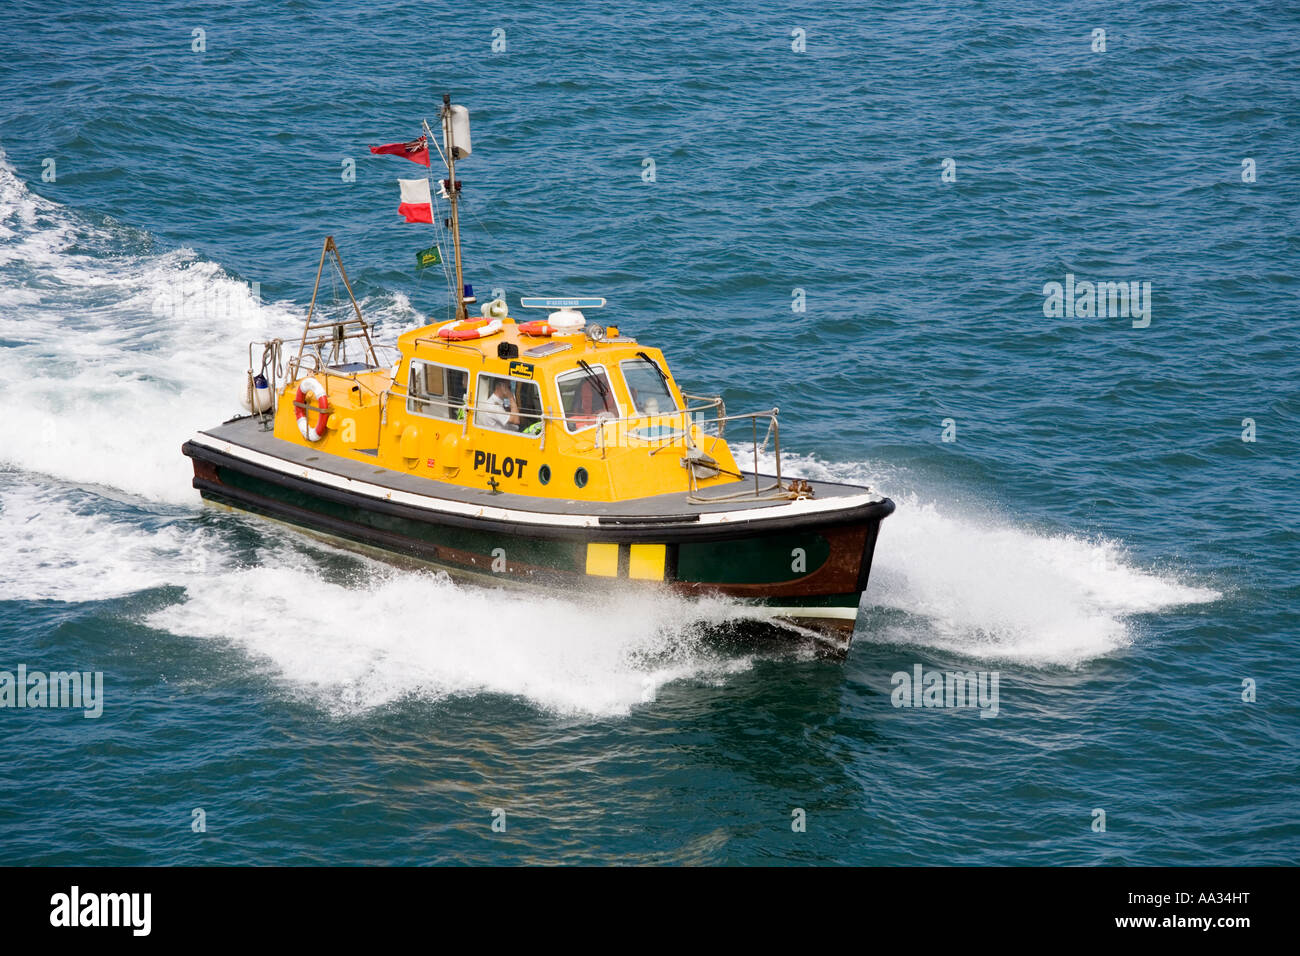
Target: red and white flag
(417, 203)
(417, 150)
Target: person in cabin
(499, 411)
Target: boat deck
(248, 433)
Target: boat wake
(345, 633)
(116, 356)
(394, 634)
(985, 588)
(112, 357)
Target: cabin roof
(424, 343)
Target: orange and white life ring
(462, 329)
(559, 322)
(311, 391)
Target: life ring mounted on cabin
(462, 329)
(311, 391)
(561, 322)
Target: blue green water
(1098, 533)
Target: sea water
(856, 213)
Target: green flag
(429, 257)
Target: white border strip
(806, 506)
(765, 611)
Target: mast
(453, 191)
(333, 334)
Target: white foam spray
(112, 359)
(418, 634)
(982, 586)
(65, 546)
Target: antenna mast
(453, 191)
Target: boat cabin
(583, 414)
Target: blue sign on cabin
(573, 302)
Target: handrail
(272, 368)
(325, 372)
(404, 392)
(778, 488)
(435, 340)
(709, 401)
(677, 424)
(295, 364)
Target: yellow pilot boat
(554, 452)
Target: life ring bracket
(320, 400)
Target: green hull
(808, 574)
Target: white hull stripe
(808, 506)
(830, 613)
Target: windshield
(585, 396)
(645, 383)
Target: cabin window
(437, 391)
(508, 405)
(586, 397)
(650, 393)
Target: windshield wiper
(655, 365)
(595, 379)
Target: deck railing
(678, 429)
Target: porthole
(544, 474)
(580, 477)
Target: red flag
(417, 150)
(417, 204)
